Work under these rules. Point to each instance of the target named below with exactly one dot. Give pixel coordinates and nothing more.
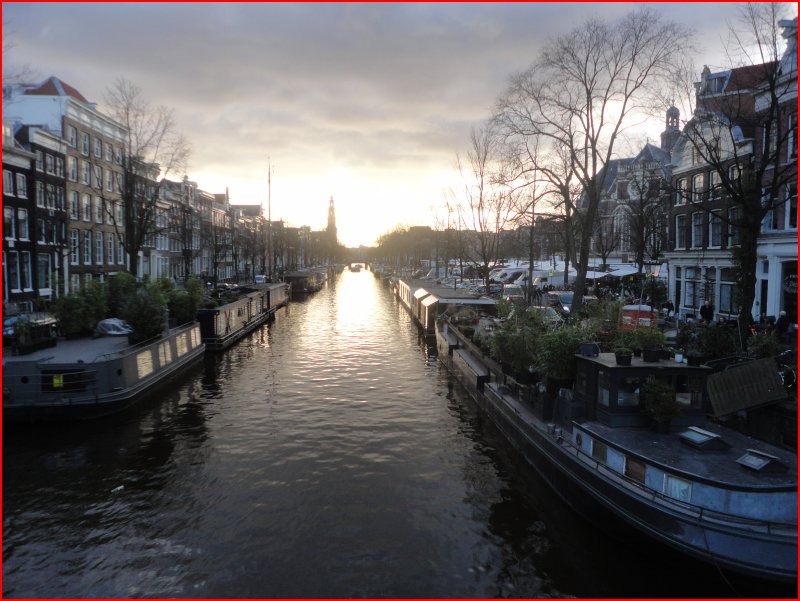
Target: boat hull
(45, 390)
(603, 497)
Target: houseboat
(701, 488)
(222, 326)
(306, 281)
(89, 378)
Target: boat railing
(700, 513)
(145, 343)
(61, 385)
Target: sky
(367, 103)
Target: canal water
(326, 455)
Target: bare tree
(488, 201)
(646, 215)
(746, 135)
(606, 235)
(585, 89)
(154, 150)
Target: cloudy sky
(368, 103)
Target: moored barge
(89, 378)
(703, 489)
(222, 326)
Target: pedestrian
(707, 312)
(782, 326)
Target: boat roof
(84, 350)
(712, 466)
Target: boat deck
(718, 466)
(85, 350)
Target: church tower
(331, 229)
(672, 130)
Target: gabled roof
(53, 86)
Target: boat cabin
(610, 393)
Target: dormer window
(715, 85)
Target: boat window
(634, 469)
(689, 391)
(628, 392)
(677, 488)
(603, 387)
(599, 451)
(703, 440)
(762, 462)
(581, 378)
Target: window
(13, 270)
(87, 207)
(622, 229)
(697, 229)
(599, 451)
(41, 231)
(87, 173)
(111, 245)
(680, 192)
(98, 177)
(72, 169)
(734, 173)
(8, 183)
(108, 209)
(792, 141)
(680, 231)
(734, 232)
(43, 274)
(59, 167)
(50, 162)
(118, 155)
(74, 244)
(690, 294)
(121, 252)
(59, 197)
(697, 188)
(110, 181)
(634, 469)
(677, 488)
(9, 223)
(22, 185)
(72, 136)
(25, 270)
(98, 237)
(98, 148)
(87, 248)
(39, 160)
(74, 205)
(714, 230)
(74, 282)
(85, 144)
(99, 209)
(791, 206)
(22, 218)
(109, 152)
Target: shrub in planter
(649, 338)
(120, 288)
(714, 341)
(556, 350)
(72, 314)
(761, 346)
(623, 355)
(658, 400)
(144, 312)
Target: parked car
(513, 293)
(550, 315)
(561, 301)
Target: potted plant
(651, 340)
(678, 355)
(555, 355)
(694, 356)
(658, 402)
(623, 355)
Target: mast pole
(269, 219)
